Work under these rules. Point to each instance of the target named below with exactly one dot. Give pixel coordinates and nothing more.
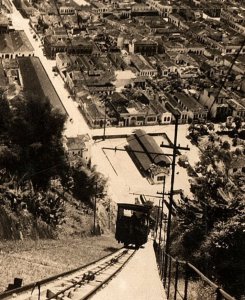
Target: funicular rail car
(132, 225)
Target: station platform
(138, 280)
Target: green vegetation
(94, 183)
(36, 176)
(35, 260)
(31, 140)
(209, 229)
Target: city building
(15, 44)
(148, 156)
(79, 146)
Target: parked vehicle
(183, 161)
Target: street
(78, 125)
(125, 181)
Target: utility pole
(104, 120)
(222, 85)
(109, 214)
(161, 216)
(95, 208)
(104, 127)
(158, 212)
(175, 148)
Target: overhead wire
(61, 19)
(227, 75)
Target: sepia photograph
(122, 149)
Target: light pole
(167, 245)
(95, 202)
(95, 208)
(109, 214)
(161, 216)
(104, 119)
(158, 214)
(105, 101)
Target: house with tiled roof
(174, 45)
(15, 44)
(100, 83)
(186, 107)
(218, 106)
(195, 110)
(178, 21)
(78, 45)
(140, 114)
(117, 105)
(79, 146)
(237, 107)
(175, 108)
(74, 80)
(163, 115)
(143, 67)
(143, 46)
(63, 63)
(164, 7)
(93, 110)
(233, 18)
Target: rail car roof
(136, 207)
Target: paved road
(78, 124)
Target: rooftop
(15, 41)
(77, 143)
(189, 102)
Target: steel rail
(100, 285)
(82, 281)
(47, 280)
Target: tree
(238, 123)
(224, 248)
(209, 230)
(34, 120)
(5, 115)
(9, 157)
(226, 145)
(87, 182)
(35, 129)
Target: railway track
(80, 284)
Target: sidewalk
(139, 280)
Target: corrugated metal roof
(152, 149)
(139, 153)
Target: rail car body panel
(132, 225)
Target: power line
(227, 75)
(41, 171)
(61, 19)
